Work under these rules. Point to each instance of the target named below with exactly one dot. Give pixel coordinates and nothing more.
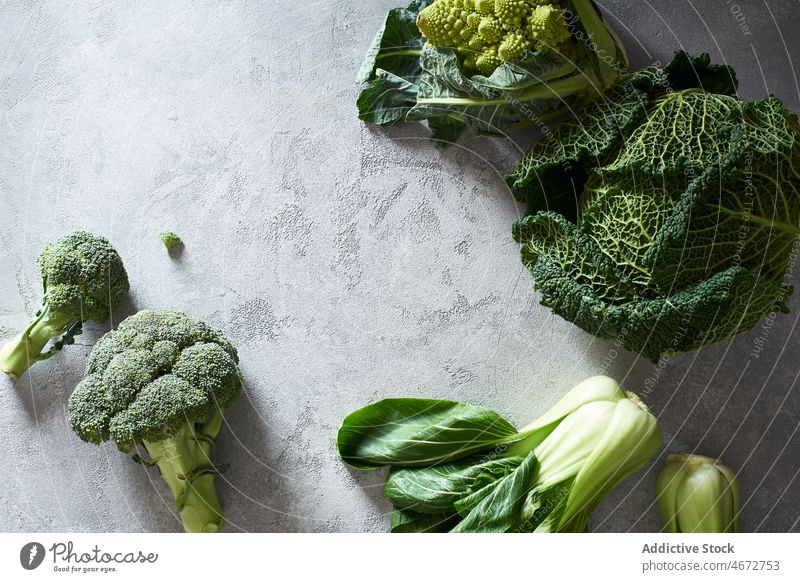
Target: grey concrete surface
(347, 263)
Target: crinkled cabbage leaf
(664, 216)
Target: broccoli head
(488, 33)
(84, 280)
(163, 380)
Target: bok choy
(462, 468)
(698, 494)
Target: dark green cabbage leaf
(664, 216)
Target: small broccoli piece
(512, 47)
(487, 33)
(487, 61)
(481, 6)
(511, 12)
(170, 239)
(547, 27)
(162, 380)
(84, 280)
(490, 29)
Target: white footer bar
(403, 558)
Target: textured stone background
(346, 262)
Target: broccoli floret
(84, 280)
(488, 61)
(548, 27)
(487, 33)
(162, 380)
(170, 239)
(512, 47)
(491, 29)
(511, 12)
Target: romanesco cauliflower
(487, 33)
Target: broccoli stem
(20, 353)
(184, 463)
(610, 60)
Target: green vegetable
(84, 280)
(163, 380)
(462, 468)
(488, 33)
(537, 63)
(664, 216)
(170, 239)
(698, 495)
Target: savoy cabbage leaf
(664, 216)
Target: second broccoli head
(487, 65)
(163, 380)
(84, 280)
(488, 33)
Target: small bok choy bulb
(462, 468)
(597, 436)
(698, 494)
